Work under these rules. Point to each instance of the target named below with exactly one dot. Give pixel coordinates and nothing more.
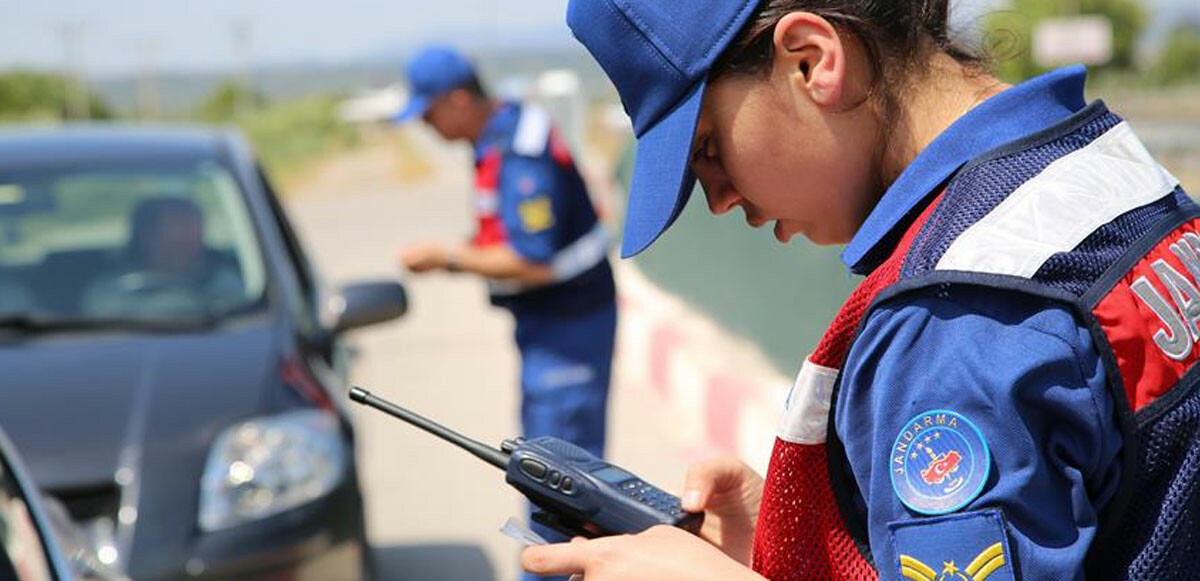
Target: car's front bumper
(323, 539)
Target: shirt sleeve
(1028, 469)
(529, 208)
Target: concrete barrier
(720, 392)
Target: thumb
(704, 479)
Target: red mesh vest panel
(490, 227)
(801, 533)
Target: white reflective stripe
(581, 255)
(806, 416)
(533, 131)
(1061, 206)
(505, 288)
(575, 259)
(560, 377)
(486, 202)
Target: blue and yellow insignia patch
(939, 462)
(536, 214)
(962, 547)
(982, 567)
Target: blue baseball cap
(434, 71)
(658, 54)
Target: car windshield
(146, 244)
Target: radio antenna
(478, 449)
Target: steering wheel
(143, 282)
(161, 293)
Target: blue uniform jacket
(1026, 371)
(532, 198)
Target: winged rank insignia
(980, 568)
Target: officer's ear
(810, 54)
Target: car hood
(81, 406)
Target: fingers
(407, 256)
(556, 559)
(709, 477)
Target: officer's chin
(782, 234)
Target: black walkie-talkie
(578, 493)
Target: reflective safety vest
(1096, 225)
(551, 201)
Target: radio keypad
(653, 497)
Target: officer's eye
(704, 151)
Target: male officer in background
(538, 244)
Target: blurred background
(715, 318)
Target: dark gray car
(171, 368)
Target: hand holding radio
(661, 553)
(729, 493)
(725, 489)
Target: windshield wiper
(29, 323)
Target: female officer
(1019, 357)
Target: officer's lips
(754, 220)
(757, 222)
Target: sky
(121, 37)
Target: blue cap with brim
(416, 107)
(432, 72)
(659, 55)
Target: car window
(22, 555)
(137, 242)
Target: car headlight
(267, 465)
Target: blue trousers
(566, 365)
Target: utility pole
(148, 94)
(242, 37)
(75, 89)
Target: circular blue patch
(939, 462)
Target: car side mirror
(367, 303)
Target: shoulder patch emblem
(536, 214)
(939, 462)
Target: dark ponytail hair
(898, 36)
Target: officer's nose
(721, 196)
(718, 190)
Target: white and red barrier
(719, 391)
